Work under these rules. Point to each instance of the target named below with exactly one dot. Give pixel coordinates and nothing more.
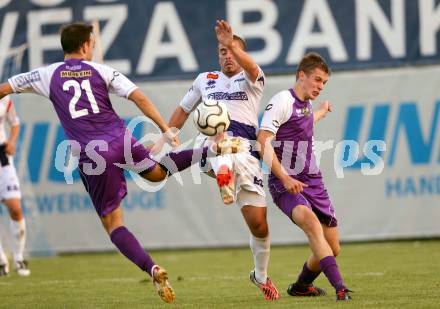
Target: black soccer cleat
(296, 289)
(343, 294)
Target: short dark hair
(310, 62)
(241, 40)
(74, 35)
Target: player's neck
(74, 56)
(299, 93)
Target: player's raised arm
(225, 37)
(5, 89)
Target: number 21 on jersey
(85, 85)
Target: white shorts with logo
(247, 173)
(9, 185)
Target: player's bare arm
(324, 108)
(5, 89)
(178, 118)
(150, 110)
(12, 141)
(225, 37)
(269, 157)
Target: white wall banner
(391, 189)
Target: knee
(15, 211)
(17, 214)
(260, 229)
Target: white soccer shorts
(247, 172)
(9, 185)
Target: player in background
(296, 184)
(239, 85)
(10, 194)
(79, 90)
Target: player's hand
(169, 137)
(293, 186)
(325, 107)
(10, 148)
(224, 33)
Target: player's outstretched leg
(160, 281)
(226, 184)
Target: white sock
(3, 258)
(18, 232)
(261, 250)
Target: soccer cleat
(160, 281)
(226, 184)
(4, 270)
(269, 290)
(296, 289)
(21, 268)
(228, 145)
(343, 294)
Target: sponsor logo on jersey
(268, 107)
(242, 79)
(240, 95)
(301, 112)
(76, 74)
(212, 76)
(28, 78)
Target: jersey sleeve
(192, 97)
(36, 81)
(11, 114)
(259, 83)
(277, 112)
(117, 82)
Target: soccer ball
(211, 117)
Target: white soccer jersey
(7, 115)
(241, 96)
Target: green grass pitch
(404, 274)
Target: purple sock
(331, 271)
(178, 161)
(130, 247)
(306, 277)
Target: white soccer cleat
(4, 270)
(160, 281)
(226, 184)
(21, 268)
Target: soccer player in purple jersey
(296, 183)
(79, 90)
